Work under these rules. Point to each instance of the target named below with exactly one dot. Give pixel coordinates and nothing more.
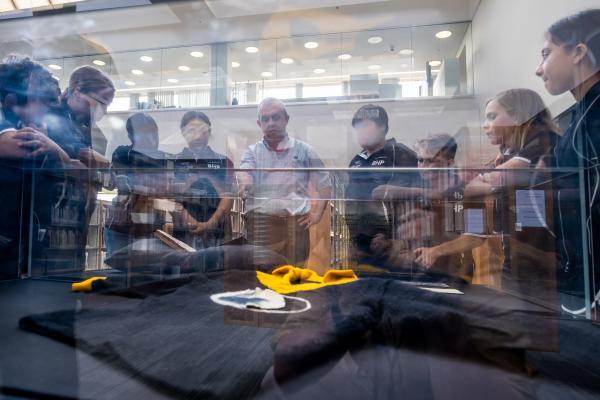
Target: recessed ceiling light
(375, 39)
(435, 63)
(146, 58)
(137, 72)
(172, 80)
(251, 49)
(266, 74)
(311, 45)
(406, 52)
(129, 83)
(345, 56)
(99, 63)
(235, 64)
(183, 68)
(443, 34)
(197, 54)
(54, 67)
(287, 60)
(319, 71)
(374, 67)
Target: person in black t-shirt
(204, 179)
(137, 172)
(571, 62)
(371, 125)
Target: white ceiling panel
(241, 8)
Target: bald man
(282, 205)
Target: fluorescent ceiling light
(197, 54)
(100, 63)
(235, 64)
(435, 63)
(54, 67)
(374, 67)
(251, 49)
(375, 39)
(311, 45)
(56, 2)
(146, 58)
(287, 60)
(443, 34)
(137, 72)
(6, 5)
(318, 71)
(183, 68)
(266, 74)
(172, 80)
(129, 83)
(406, 52)
(25, 4)
(345, 56)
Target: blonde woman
(518, 122)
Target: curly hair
(27, 80)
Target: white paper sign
(474, 220)
(531, 208)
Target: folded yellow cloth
(287, 279)
(86, 286)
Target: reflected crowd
(522, 223)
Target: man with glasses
(429, 230)
(285, 188)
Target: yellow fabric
(286, 279)
(86, 286)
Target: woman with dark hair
(205, 178)
(137, 170)
(571, 63)
(82, 104)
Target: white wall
(325, 126)
(507, 39)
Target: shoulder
(404, 156)
(121, 153)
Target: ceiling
(183, 27)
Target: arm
(246, 179)
(391, 192)
(427, 256)
(317, 208)
(36, 143)
(486, 184)
(320, 182)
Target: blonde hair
(530, 111)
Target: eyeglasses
(99, 99)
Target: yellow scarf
(87, 285)
(285, 279)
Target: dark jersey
(392, 155)
(207, 173)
